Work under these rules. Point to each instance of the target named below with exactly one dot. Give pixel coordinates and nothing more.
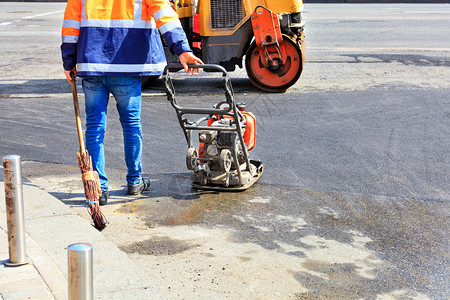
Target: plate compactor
(226, 132)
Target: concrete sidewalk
(50, 227)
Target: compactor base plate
(235, 188)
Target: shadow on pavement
(204, 84)
(201, 85)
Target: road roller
(267, 36)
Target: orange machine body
(249, 134)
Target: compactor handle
(229, 94)
(177, 66)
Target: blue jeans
(127, 92)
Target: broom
(91, 181)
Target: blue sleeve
(69, 55)
(176, 41)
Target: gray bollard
(15, 218)
(80, 271)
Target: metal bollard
(14, 211)
(80, 271)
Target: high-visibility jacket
(120, 37)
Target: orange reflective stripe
(73, 10)
(166, 19)
(110, 10)
(149, 7)
(70, 31)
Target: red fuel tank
(250, 127)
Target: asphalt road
(353, 202)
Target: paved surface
(176, 243)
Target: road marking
(43, 14)
(31, 17)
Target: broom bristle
(97, 216)
(91, 192)
(90, 189)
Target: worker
(110, 44)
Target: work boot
(103, 199)
(137, 188)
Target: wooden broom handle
(77, 113)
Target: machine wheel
(204, 180)
(274, 80)
(225, 160)
(191, 158)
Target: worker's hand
(68, 74)
(189, 58)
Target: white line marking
(43, 14)
(31, 17)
